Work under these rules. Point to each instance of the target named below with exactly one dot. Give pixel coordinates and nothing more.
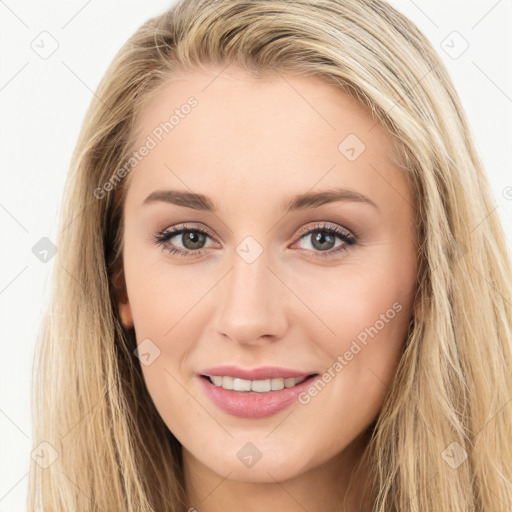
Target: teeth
(258, 386)
(218, 381)
(277, 384)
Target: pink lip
(249, 404)
(262, 373)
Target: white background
(43, 102)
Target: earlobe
(123, 304)
(125, 314)
(420, 313)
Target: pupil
(195, 239)
(319, 240)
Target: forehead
(281, 132)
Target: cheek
(166, 304)
(368, 314)
(160, 294)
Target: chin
(252, 465)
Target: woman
(278, 281)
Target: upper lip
(261, 373)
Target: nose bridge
(250, 307)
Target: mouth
(259, 386)
(254, 399)
(254, 392)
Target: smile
(256, 386)
(247, 398)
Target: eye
(191, 238)
(321, 237)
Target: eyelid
(326, 225)
(187, 226)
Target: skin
(250, 145)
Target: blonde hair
(453, 383)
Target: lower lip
(249, 404)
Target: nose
(251, 303)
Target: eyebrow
(298, 202)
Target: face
(268, 232)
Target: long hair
(442, 439)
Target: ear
(123, 304)
(125, 313)
(420, 311)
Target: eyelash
(162, 237)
